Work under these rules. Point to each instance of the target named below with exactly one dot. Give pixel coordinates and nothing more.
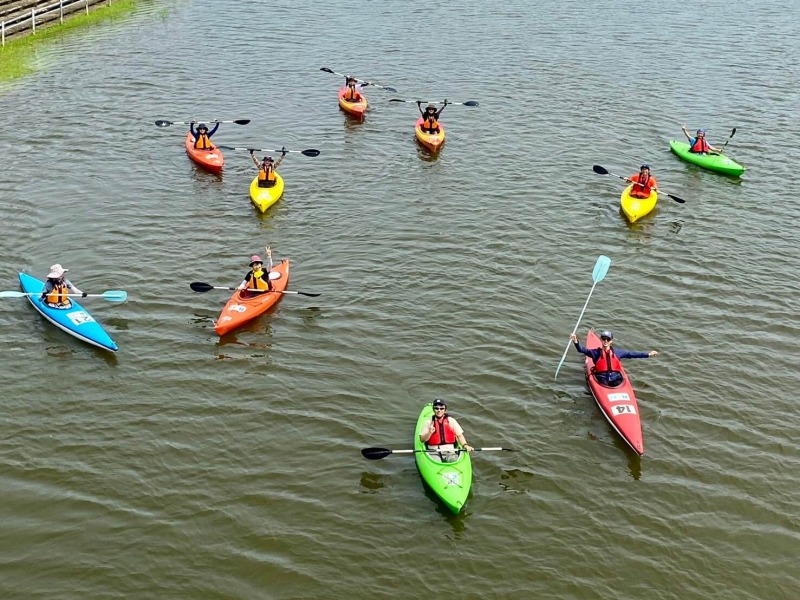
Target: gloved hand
(84, 294)
(283, 151)
(419, 102)
(251, 151)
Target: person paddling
(353, 91)
(257, 277)
(266, 169)
(202, 136)
(607, 366)
(441, 433)
(430, 116)
(643, 183)
(57, 287)
(699, 144)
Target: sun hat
(56, 271)
(254, 259)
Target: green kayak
(449, 481)
(713, 162)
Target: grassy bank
(15, 57)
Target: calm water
(188, 466)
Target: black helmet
(606, 333)
(439, 402)
(645, 166)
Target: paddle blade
(375, 453)
(677, 199)
(199, 286)
(12, 294)
(310, 152)
(309, 294)
(396, 100)
(115, 296)
(599, 170)
(600, 268)
(389, 89)
(470, 103)
(241, 121)
(162, 123)
(326, 69)
(733, 133)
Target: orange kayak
(431, 141)
(357, 109)
(244, 306)
(210, 160)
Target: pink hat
(56, 271)
(255, 258)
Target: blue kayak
(74, 320)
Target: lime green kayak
(713, 162)
(451, 482)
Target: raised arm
(686, 133)
(255, 160)
(441, 110)
(192, 131)
(419, 107)
(280, 160)
(213, 131)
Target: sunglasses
(605, 339)
(439, 408)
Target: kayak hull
(430, 141)
(450, 482)
(618, 404)
(263, 198)
(75, 321)
(636, 208)
(242, 309)
(713, 162)
(355, 109)
(211, 160)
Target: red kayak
(211, 159)
(617, 403)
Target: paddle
(111, 295)
(730, 137)
(308, 152)
(163, 123)
(383, 87)
(378, 453)
(199, 286)
(603, 171)
(467, 103)
(598, 273)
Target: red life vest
(644, 190)
(444, 434)
(700, 145)
(608, 361)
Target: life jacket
(700, 145)
(608, 361)
(263, 175)
(202, 142)
(444, 433)
(642, 191)
(58, 295)
(429, 123)
(352, 94)
(257, 282)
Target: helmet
(606, 333)
(439, 402)
(254, 259)
(703, 131)
(645, 166)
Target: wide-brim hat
(254, 259)
(56, 271)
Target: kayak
(618, 404)
(713, 162)
(635, 208)
(244, 307)
(431, 141)
(451, 482)
(356, 109)
(74, 320)
(211, 160)
(262, 197)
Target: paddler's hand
(84, 294)
(574, 338)
(652, 353)
(468, 448)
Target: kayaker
(257, 278)
(699, 144)
(606, 359)
(266, 169)
(56, 288)
(353, 91)
(430, 124)
(643, 183)
(202, 136)
(441, 433)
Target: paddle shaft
(677, 199)
(453, 450)
(383, 87)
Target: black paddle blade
(375, 453)
(396, 100)
(310, 295)
(241, 121)
(162, 123)
(326, 69)
(199, 286)
(390, 89)
(733, 133)
(599, 170)
(677, 199)
(310, 152)
(470, 103)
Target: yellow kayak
(262, 197)
(635, 208)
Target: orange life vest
(444, 433)
(642, 191)
(202, 142)
(430, 123)
(255, 282)
(264, 175)
(700, 145)
(608, 361)
(58, 295)
(352, 94)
